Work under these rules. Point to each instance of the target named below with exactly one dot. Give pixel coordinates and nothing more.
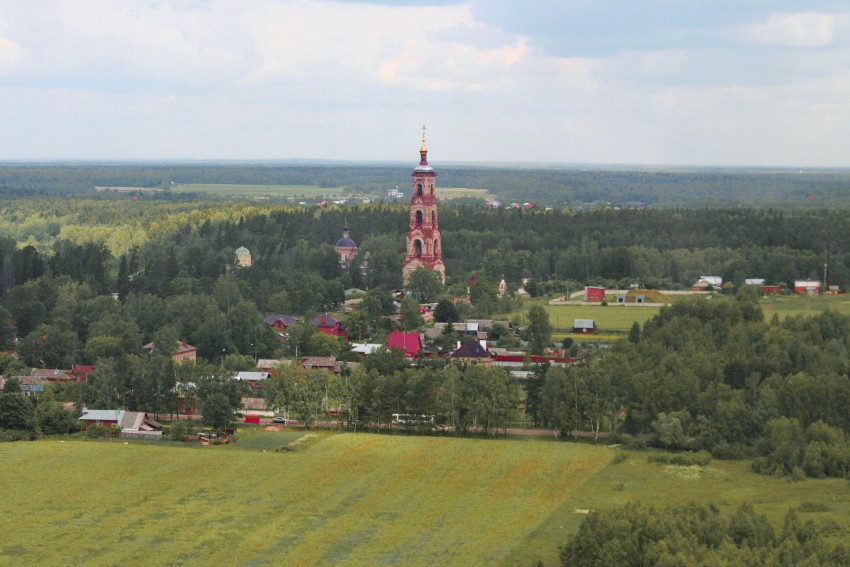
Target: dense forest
(698, 534)
(544, 186)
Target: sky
(663, 82)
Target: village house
(472, 353)
(329, 325)
(184, 352)
(280, 322)
(409, 343)
(252, 379)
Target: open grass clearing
(791, 305)
(726, 484)
(608, 318)
(340, 499)
(457, 192)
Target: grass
(352, 499)
(608, 318)
(338, 499)
(457, 192)
(257, 191)
(791, 305)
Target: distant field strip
(457, 192)
(225, 189)
(345, 499)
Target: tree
(445, 312)
(52, 418)
(539, 331)
(217, 411)
(49, 347)
(634, 333)
(411, 314)
(425, 285)
(16, 413)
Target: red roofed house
(81, 372)
(409, 343)
(329, 325)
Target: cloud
(801, 29)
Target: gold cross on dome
(423, 133)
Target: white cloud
(801, 29)
(294, 78)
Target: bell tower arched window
(419, 217)
(417, 247)
(418, 189)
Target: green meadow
(352, 499)
(791, 305)
(612, 320)
(608, 318)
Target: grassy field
(788, 305)
(609, 318)
(352, 499)
(618, 319)
(456, 192)
(336, 499)
(256, 191)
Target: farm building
(593, 293)
(584, 326)
(708, 283)
(806, 287)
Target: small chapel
(423, 238)
(346, 249)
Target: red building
(329, 325)
(806, 287)
(423, 239)
(594, 293)
(770, 289)
(410, 343)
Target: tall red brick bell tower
(424, 244)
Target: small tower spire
(423, 151)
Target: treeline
(658, 249)
(433, 396)
(698, 534)
(713, 375)
(543, 186)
